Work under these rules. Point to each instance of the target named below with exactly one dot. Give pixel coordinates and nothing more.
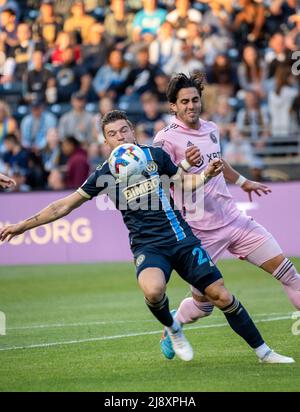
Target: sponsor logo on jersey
(213, 155)
(213, 138)
(151, 167)
(141, 189)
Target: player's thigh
(253, 241)
(153, 283)
(153, 269)
(194, 265)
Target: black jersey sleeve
(97, 183)
(169, 168)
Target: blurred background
(63, 64)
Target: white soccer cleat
(181, 345)
(273, 357)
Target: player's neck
(193, 126)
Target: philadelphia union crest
(151, 167)
(213, 138)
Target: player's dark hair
(113, 116)
(181, 81)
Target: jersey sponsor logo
(139, 260)
(151, 167)
(141, 189)
(213, 137)
(213, 155)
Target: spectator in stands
(39, 80)
(164, 47)
(80, 22)
(238, 151)
(278, 15)
(118, 23)
(56, 180)
(63, 42)
(77, 122)
(8, 27)
(277, 56)
(35, 126)
(22, 52)
(106, 104)
(251, 71)
(224, 117)
(150, 115)
(10, 4)
(111, 75)
(16, 160)
(223, 74)
(47, 25)
(8, 125)
(182, 15)
(51, 155)
(185, 62)
(139, 80)
(63, 7)
(161, 81)
(253, 120)
(248, 23)
(280, 101)
(150, 18)
(71, 77)
(95, 157)
(94, 53)
(77, 163)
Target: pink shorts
(242, 238)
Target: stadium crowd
(64, 64)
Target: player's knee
(220, 297)
(155, 295)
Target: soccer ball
(127, 160)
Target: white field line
(109, 322)
(129, 335)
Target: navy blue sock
(240, 321)
(161, 311)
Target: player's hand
(193, 155)
(250, 186)
(10, 231)
(214, 168)
(6, 182)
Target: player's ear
(173, 108)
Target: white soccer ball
(127, 160)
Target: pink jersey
(219, 207)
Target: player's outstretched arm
(6, 182)
(54, 211)
(249, 186)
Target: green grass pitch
(86, 328)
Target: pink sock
(287, 274)
(190, 310)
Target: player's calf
(287, 274)
(191, 310)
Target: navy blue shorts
(187, 257)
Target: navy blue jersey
(147, 208)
